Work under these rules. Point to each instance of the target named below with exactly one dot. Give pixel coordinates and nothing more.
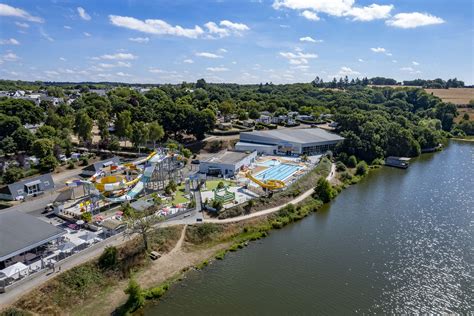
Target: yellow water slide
(268, 184)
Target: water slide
(101, 184)
(268, 184)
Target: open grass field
(458, 96)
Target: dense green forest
(376, 121)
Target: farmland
(458, 96)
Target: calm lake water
(400, 241)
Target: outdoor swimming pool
(280, 171)
(269, 163)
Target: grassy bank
(89, 281)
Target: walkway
(296, 200)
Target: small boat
(398, 162)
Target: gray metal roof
(20, 232)
(299, 135)
(228, 157)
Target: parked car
(154, 255)
(48, 208)
(63, 158)
(195, 161)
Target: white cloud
(45, 35)
(234, 26)
(22, 25)
(83, 14)
(394, 61)
(410, 70)
(118, 64)
(122, 74)
(310, 15)
(389, 54)
(331, 7)
(62, 59)
(67, 27)
(222, 50)
(378, 49)
(407, 69)
(360, 60)
(369, 13)
(51, 73)
(225, 28)
(217, 69)
(310, 39)
(151, 26)
(87, 34)
(346, 71)
(413, 20)
(6, 10)
(188, 61)
(118, 56)
(156, 70)
(139, 39)
(299, 58)
(10, 57)
(415, 63)
(10, 41)
(208, 55)
(214, 29)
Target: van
(154, 255)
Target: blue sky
(243, 41)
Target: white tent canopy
(14, 271)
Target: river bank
(398, 242)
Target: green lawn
(179, 196)
(212, 184)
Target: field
(458, 96)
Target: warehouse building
(23, 237)
(287, 141)
(227, 164)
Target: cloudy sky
(243, 41)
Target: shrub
(86, 217)
(136, 299)
(346, 177)
(352, 162)
(84, 161)
(70, 165)
(220, 185)
(108, 260)
(340, 166)
(48, 163)
(362, 168)
(156, 292)
(13, 174)
(186, 153)
(324, 190)
(217, 205)
(378, 162)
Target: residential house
(27, 187)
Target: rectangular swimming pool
(281, 172)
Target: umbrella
(67, 247)
(88, 236)
(99, 218)
(80, 222)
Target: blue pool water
(278, 172)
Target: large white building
(287, 141)
(227, 164)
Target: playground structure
(271, 184)
(120, 183)
(223, 195)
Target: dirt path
(168, 265)
(296, 200)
